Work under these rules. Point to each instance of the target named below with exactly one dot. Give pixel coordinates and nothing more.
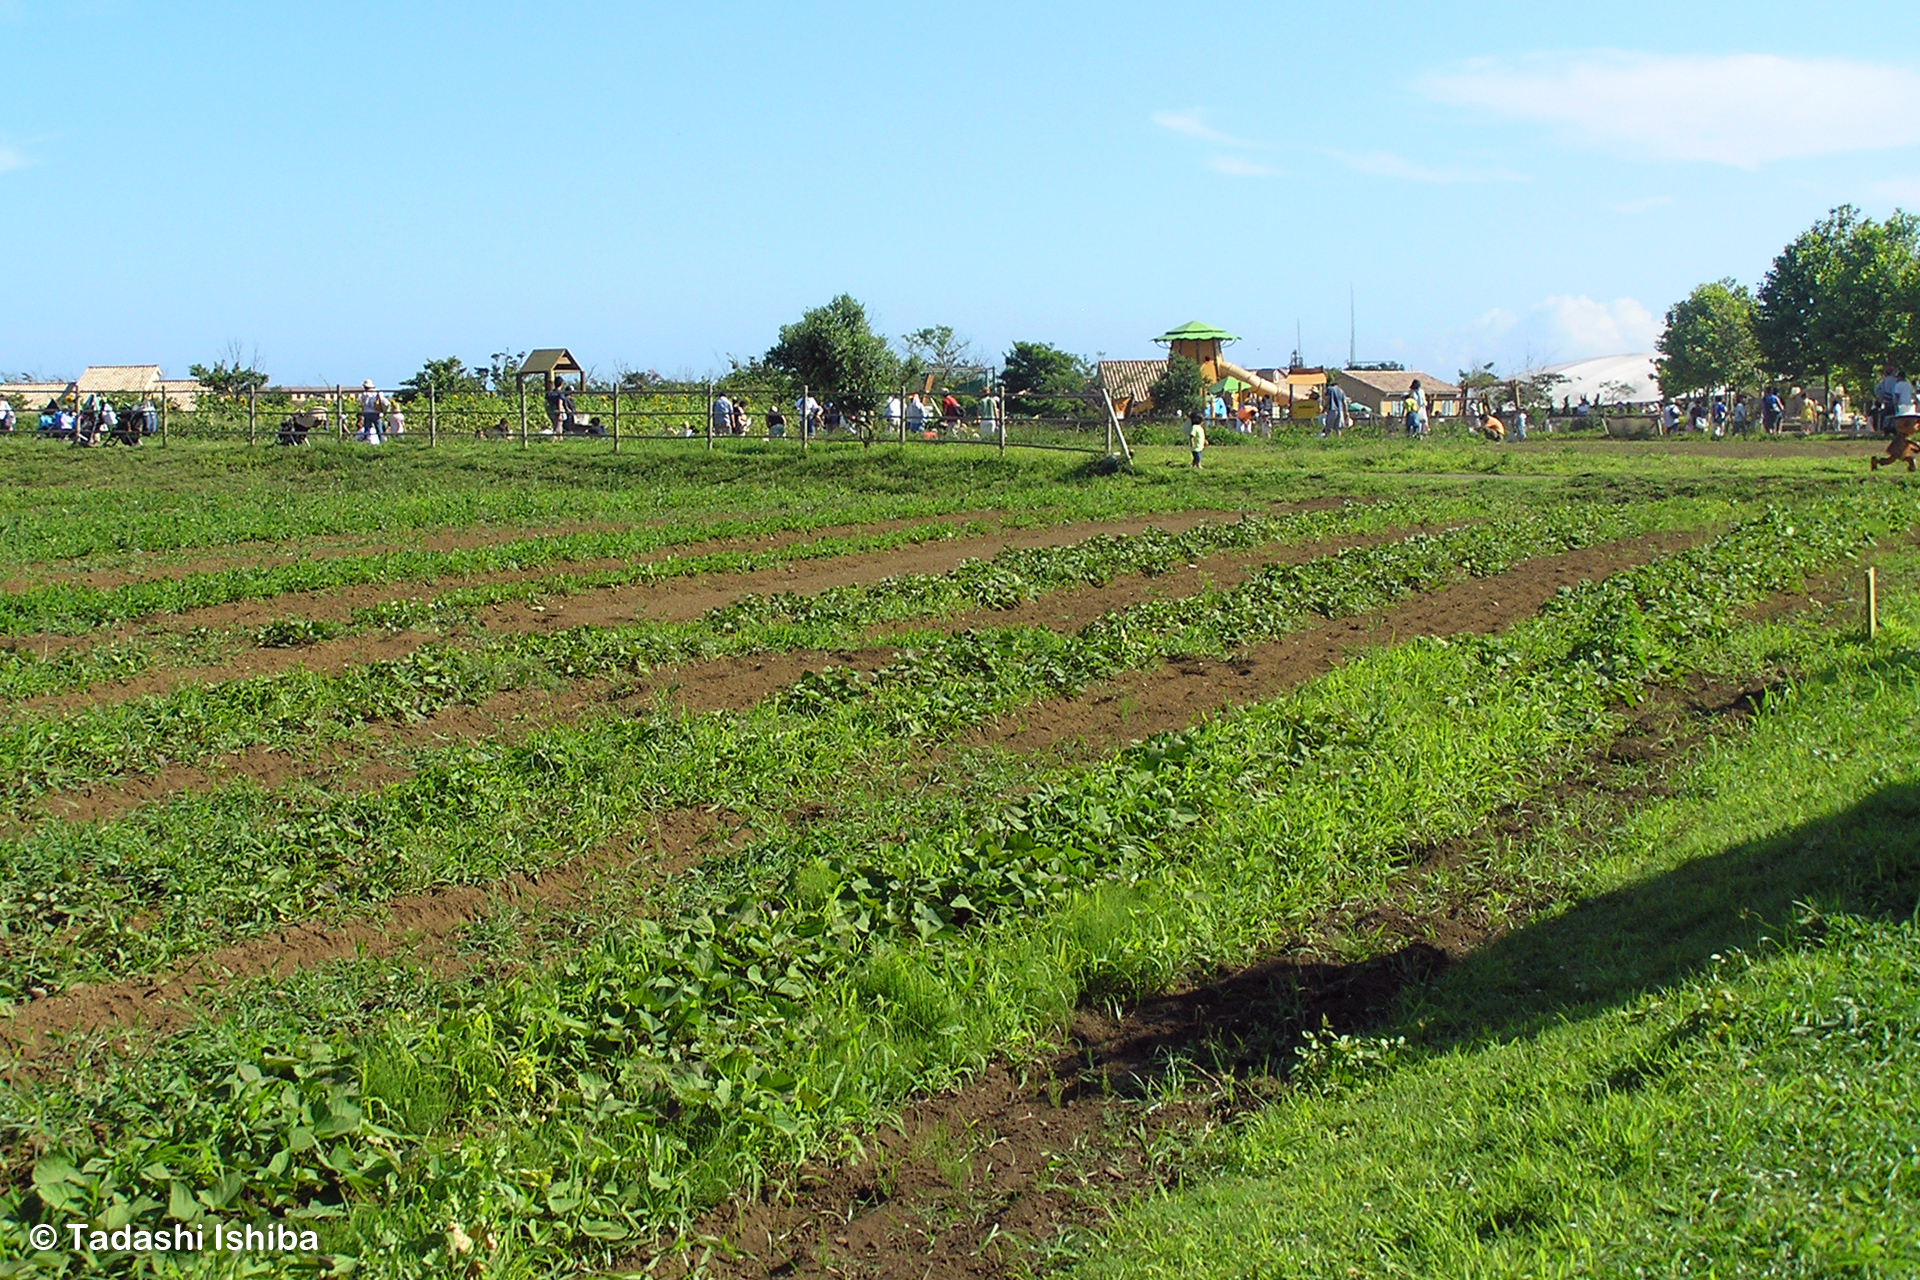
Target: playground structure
(1202, 343)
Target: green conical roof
(1194, 331)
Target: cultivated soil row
(1099, 720)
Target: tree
(1478, 383)
(501, 366)
(935, 350)
(231, 376)
(1866, 316)
(1786, 311)
(446, 377)
(1180, 390)
(1709, 341)
(837, 356)
(1045, 381)
(1840, 298)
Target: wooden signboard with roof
(550, 365)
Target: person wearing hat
(370, 407)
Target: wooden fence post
(616, 411)
(250, 407)
(433, 416)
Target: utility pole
(1352, 358)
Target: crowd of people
(89, 420)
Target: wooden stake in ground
(1873, 603)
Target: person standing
(989, 415)
(370, 408)
(1334, 418)
(1519, 424)
(1880, 412)
(893, 415)
(950, 411)
(7, 420)
(808, 408)
(1196, 436)
(916, 414)
(1416, 411)
(396, 420)
(722, 415)
(1737, 420)
(776, 422)
(1772, 412)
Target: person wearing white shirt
(989, 416)
(1905, 446)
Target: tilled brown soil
(720, 684)
(1178, 693)
(679, 599)
(420, 924)
(160, 566)
(975, 1182)
(1098, 720)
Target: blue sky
(350, 188)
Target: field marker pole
(250, 391)
(903, 413)
(1873, 603)
(1000, 420)
(163, 417)
(433, 416)
(806, 419)
(523, 412)
(616, 412)
(339, 413)
(709, 415)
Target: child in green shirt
(1196, 437)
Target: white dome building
(1586, 378)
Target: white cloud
(1190, 124)
(1384, 164)
(1742, 110)
(1559, 328)
(1241, 167)
(13, 158)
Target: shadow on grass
(1864, 860)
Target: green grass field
(548, 862)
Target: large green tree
(1180, 390)
(1709, 341)
(837, 356)
(1043, 381)
(1840, 299)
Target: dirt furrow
(971, 1183)
(718, 684)
(1121, 711)
(1185, 690)
(422, 925)
(676, 600)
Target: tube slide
(1254, 380)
